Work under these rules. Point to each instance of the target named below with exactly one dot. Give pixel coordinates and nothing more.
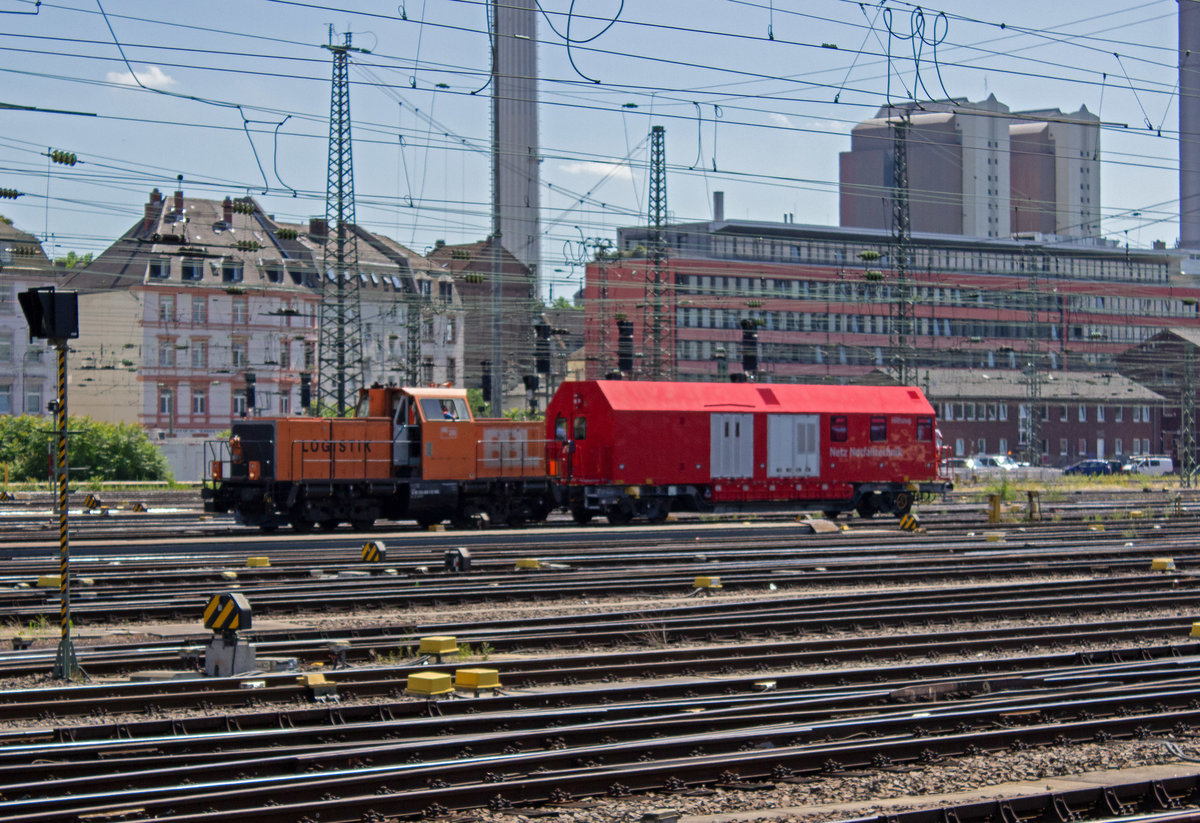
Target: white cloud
(830, 126)
(780, 120)
(152, 77)
(587, 168)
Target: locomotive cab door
(406, 442)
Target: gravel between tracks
(809, 800)
(825, 798)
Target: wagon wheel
(301, 523)
(362, 524)
(902, 504)
(866, 507)
(329, 524)
(427, 520)
(621, 513)
(581, 515)
(659, 511)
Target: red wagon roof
(639, 395)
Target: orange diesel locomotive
(621, 449)
(407, 454)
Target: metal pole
(65, 665)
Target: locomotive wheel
(362, 524)
(428, 520)
(581, 515)
(329, 524)
(269, 528)
(831, 515)
(301, 524)
(620, 514)
(866, 506)
(902, 504)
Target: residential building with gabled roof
(27, 370)
(200, 293)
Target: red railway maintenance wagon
(634, 448)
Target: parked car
(959, 464)
(995, 462)
(1090, 468)
(1150, 464)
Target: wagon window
(837, 428)
(560, 428)
(878, 429)
(580, 432)
(925, 429)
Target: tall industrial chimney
(1189, 123)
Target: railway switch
(429, 684)
(1162, 564)
(258, 562)
(437, 646)
(227, 654)
(338, 650)
(458, 559)
(476, 679)
(374, 551)
(319, 689)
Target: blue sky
(757, 99)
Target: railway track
(869, 651)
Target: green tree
(479, 405)
(97, 451)
(72, 260)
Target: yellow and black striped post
(66, 666)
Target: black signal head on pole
(51, 315)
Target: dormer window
(193, 269)
(158, 269)
(274, 274)
(231, 272)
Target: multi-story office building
(976, 169)
(823, 303)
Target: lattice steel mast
(1033, 376)
(340, 361)
(653, 333)
(901, 240)
(1187, 417)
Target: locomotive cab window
(580, 428)
(444, 409)
(838, 428)
(924, 429)
(878, 429)
(560, 428)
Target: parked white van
(1151, 464)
